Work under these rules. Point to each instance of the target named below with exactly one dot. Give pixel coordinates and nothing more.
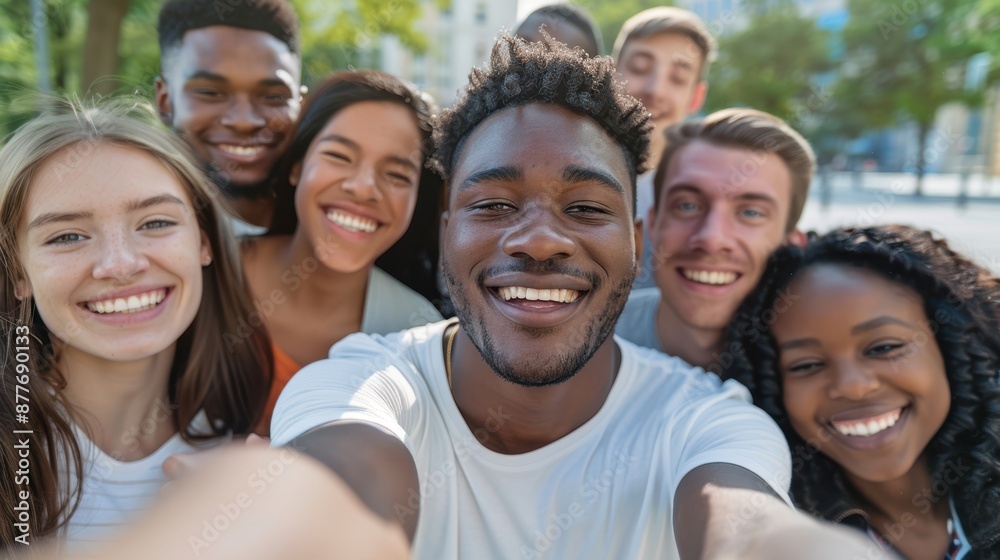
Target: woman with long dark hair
(877, 350)
(347, 190)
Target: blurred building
(459, 38)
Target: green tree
(772, 65)
(115, 51)
(904, 59)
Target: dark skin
(537, 216)
(232, 94)
(512, 206)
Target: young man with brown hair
(730, 189)
(664, 55)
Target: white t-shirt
(115, 492)
(603, 491)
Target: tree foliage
(334, 36)
(772, 65)
(904, 59)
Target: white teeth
(560, 295)
(241, 150)
(351, 222)
(131, 304)
(714, 277)
(869, 426)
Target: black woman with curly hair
(876, 350)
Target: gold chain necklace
(450, 337)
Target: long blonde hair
(221, 364)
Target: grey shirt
(637, 323)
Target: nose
(242, 115)
(119, 258)
(363, 185)
(852, 381)
(714, 233)
(539, 236)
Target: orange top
(284, 368)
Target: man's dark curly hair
(962, 302)
(275, 17)
(546, 72)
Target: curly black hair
(275, 17)
(573, 15)
(546, 71)
(962, 302)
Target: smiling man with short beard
(230, 86)
(524, 429)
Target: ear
(163, 103)
(797, 238)
(295, 174)
(698, 99)
(206, 250)
(21, 290)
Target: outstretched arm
(375, 465)
(723, 512)
(297, 510)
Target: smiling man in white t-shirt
(524, 429)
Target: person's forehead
(538, 136)
(724, 171)
(675, 46)
(221, 45)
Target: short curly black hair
(275, 17)
(546, 71)
(962, 302)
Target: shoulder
(635, 322)
(641, 305)
(391, 306)
(382, 380)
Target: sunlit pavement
(972, 229)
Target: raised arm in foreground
(723, 512)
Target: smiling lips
(558, 295)
(242, 151)
(131, 304)
(867, 427)
(351, 222)
(710, 277)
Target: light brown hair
(751, 130)
(228, 381)
(668, 20)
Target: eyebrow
(578, 174)
(751, 196)
(355, 146)
(500, 174)
(213, 77)
(131, 206)
(798, 343)
(861, 327)
(879, 322)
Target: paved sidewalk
(972, 229)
